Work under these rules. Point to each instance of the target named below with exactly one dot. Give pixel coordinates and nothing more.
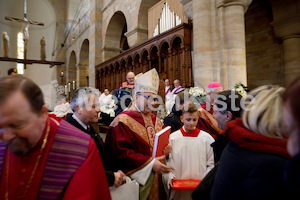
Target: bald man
(130, 81)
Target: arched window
(20, 53)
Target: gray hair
(81, 97)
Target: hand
(159, 167)
(171, 182)
(118, 178)
(168, 150)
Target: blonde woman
(252, 164)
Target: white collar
(80, 122)
(185, 130)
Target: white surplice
(191, 158)
(169, 99)
(107, 104)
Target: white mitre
(147, 82)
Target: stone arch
(115, 38)
(144, 59)
(136, 60)
(141, 32)
(129, 62)
(83, 66)
(177, 64)
(164, 47)
(72, 69)
(176, 41)
(154, 58)
(123, 70)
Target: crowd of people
(237, 148)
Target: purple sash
(168, 90)
(68, 152)
(175, 92)
(2, 154)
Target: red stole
(21, 168)
(194, 133)
(247, 139)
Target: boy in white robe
(191, 157)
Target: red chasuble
(128, 141)
(88, 182)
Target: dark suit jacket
(99, 142)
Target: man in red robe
(130, 138)
(129, 83)
(40, 157)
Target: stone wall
(263, 49)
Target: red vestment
(129, 146)
(126, 84)
(88, 182)
(128, 142)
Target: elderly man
(85, 106)
(107, 105)
(177, 87)
(130, 137)
(39, 157)
(130, 81)
(212, 90)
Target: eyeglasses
(147, 97)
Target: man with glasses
(85, 106)
(130, 137)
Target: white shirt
(79, 122)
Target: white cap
(147, 82)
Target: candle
(74, 85)
(69, 86)
(66, 90)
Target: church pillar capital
(226, 3)
(288, 30)
(136, 36)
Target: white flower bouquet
(198, 94)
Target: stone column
(136, 36)
(232, 42)
(288, 30)
(291, 58)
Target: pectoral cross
(26, 22)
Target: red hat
(214, 85)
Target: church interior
(96, 42)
